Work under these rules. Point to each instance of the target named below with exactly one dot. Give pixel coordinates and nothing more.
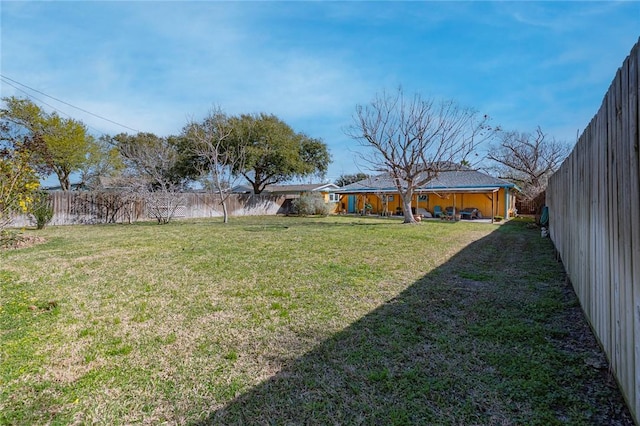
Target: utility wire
(49, 105)
(63, 102)
(37, 99)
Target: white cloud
(154, 65)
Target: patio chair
(469, 213)
(449, 212)
(437, 211)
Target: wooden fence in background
(594, 213)
(84, 207)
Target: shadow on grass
(494, 336)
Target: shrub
(41, 211)
(18, 183)
(310, 204)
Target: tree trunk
(223, 198)
(406, 206)
(256, 187)
(225, 214)
(63, 177)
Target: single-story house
(294, 191)
(463, 188)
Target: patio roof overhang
(434, 190)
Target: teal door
(352, 204)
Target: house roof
(461, 180)
(290, 189)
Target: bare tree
(413, 140)
(99, 206)
(215, 158)
(151, 161)
(528, 159)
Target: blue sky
(153, 66)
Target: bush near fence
(594, 202)
(91, 207)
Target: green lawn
(280, 320)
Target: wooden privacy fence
(84, 207)
(594, 213)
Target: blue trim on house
(510, 185)
(424, 189)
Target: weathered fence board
(594, 203)
(81, 207)
(634, 234)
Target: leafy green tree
(68, 146)
(21, 131)
(189, 164)
(21, 118)
(66, 143)
(274, 152)
(18, 185)
(103, 160)
(344, 180)
(19, 148)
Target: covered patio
(464, 194)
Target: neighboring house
(295, 190)
(327, 190)
(462, 188)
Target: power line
(63, 102)
(49, 105)
(37, 99)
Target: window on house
(334, 198)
